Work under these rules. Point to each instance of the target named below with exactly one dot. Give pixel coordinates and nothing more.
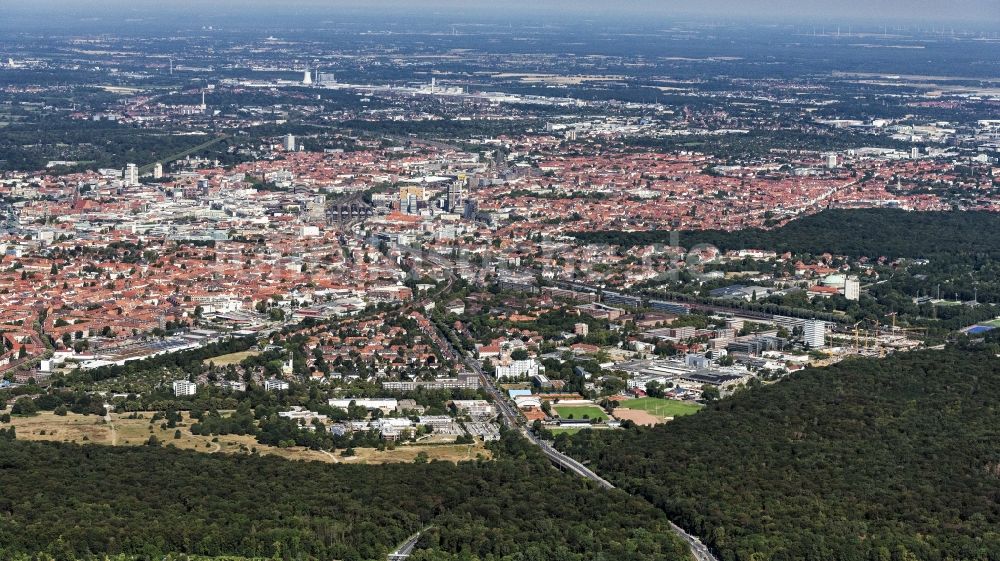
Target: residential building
(275, 385)
(462, 381)
(184, 388)
(814, 334)
(131, 174)
(852, 288)
(475, 407)
(517, 369)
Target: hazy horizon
(979, 13)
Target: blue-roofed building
(517, 393)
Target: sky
(981, 12)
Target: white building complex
(275, 385)
(517, 369)
(184, 388)
(384, 404)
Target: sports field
(661, 407)
(232, 358)
(581, 412)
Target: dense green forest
(29, 145)
(963, 249)
(895, 459)
(861, 232)
(79, 502)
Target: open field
(637, 416)
(407, 453)
(574, 430)
(232, 358)
(122, 431)
(660, 407)
(80, 429)
(992, 323)
(580, 412)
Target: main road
(511, 419)
(404, 551)
(698, 549)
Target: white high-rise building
(185, 388)
(454, 197)
(131, 174)
(290, 143)
(157, 170)
(914, 152)
(852, 288)
(814, 334)
(831, 161)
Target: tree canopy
(866, 460)
(81, 502)
(854, 232)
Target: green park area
(578, 412)
(661, 407)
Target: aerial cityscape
(463, 281)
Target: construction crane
(893, 314)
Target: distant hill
(895, 459)
(862, 232)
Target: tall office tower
(290, 143)
(814, 334)
(831, 161)
(914, 152)
(455, 197)
(412, 206)
(131, 174)
(471, 208)
(157, 170)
